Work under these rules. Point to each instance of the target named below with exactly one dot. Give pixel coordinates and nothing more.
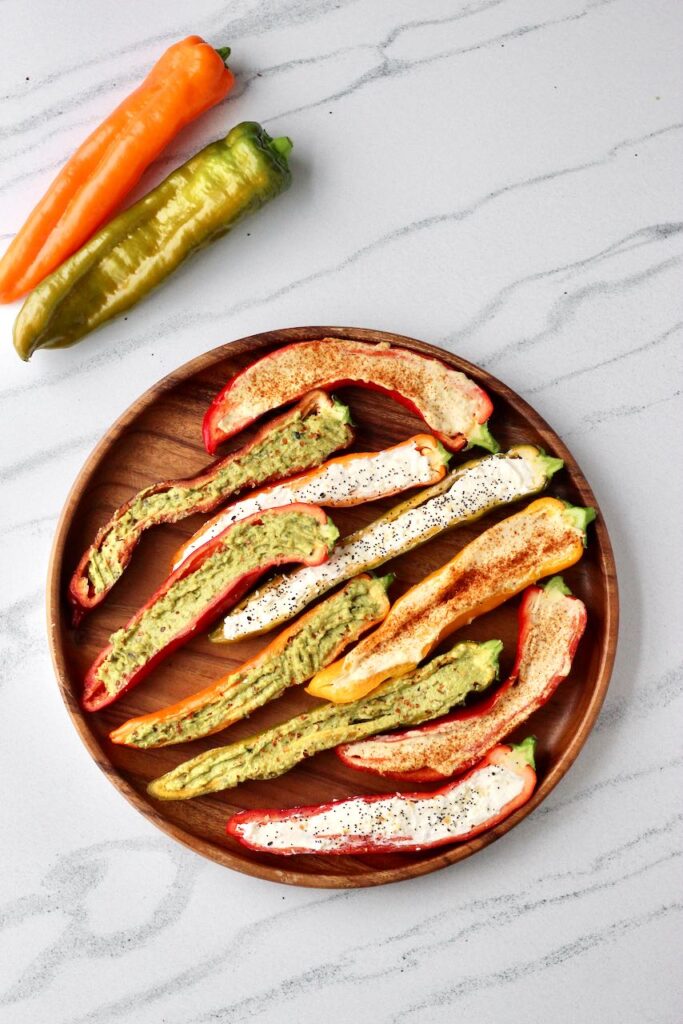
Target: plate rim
(55, 610)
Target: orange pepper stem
(223, 52)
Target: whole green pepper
(140, 247)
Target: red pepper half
(133, 651)
(302, 437)
(551, 623)
(455, 408)
(398, 822)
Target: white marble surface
(499, 176)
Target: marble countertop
(499, 177)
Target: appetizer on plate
(348, 480)
(467, 493)
(551, 623)
(545, 537)
(416, 697)
(203, 587)
(298, 439)
(453, 406)
(399, 822)
(310, 643)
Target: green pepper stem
(557, 584)
(223, 52)
(482, 437)
(550, 464)
(579, 517)
(525, 751)
(283, 146)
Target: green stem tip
(557, 585)
(283, 146)
(525, 751)
(482, 437)
(550, 464)
(223, 52)
(580, 517)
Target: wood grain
(159, 437)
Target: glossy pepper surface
(398, 822)
(189, 78)
(139, 248)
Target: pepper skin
(123, 646)
(139, 248)
(397, 822)
(551, 623)
(308, 433)
(188, 79)
(544, 538)
(453, 406)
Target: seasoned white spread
(446, 398)
(337, 483)
(494, 480)
(399, 819)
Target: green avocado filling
(297, 444)
(336, 622)
(416, 697)
(290, 536)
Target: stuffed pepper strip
(398, 822)
(302, 437)
(201, 589)
(467, 493)
(416, 697)
(348, 480)
(312, 642)
(551, 623)
(544, 538)
(453, 406)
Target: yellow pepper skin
(139, 248)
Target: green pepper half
(139, 248)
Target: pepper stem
(524, 751)
(550, 464)
(482, 437)
(223, 52)
(580, 517)
(557, 585)
(283, 146)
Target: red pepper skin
(288, 388)
(95, 694)
(481, 710)
(81, 595)
(502, 754)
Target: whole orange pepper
(189, 78)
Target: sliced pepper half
(348, 480)
(311, 642)
(416, 697)
(551, 623)
(398, 822)
(453, 406)
(303, 436)
(544, 538)
(467, 493)
(201, 589)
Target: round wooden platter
(159, 438)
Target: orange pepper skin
(189, 78)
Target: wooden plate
(158, 438)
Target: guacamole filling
(335, 623)
(248, 546)
(416, 697)
(299, 443)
